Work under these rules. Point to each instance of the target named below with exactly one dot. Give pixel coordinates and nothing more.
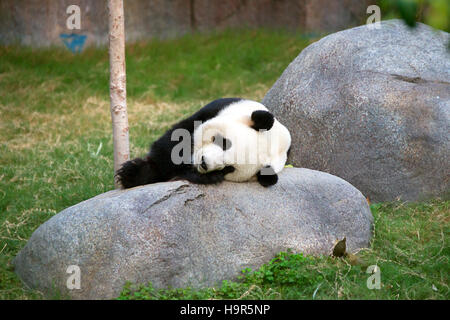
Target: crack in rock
(416, 79)
(200, 195)
(178, 190)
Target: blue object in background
(74, 42)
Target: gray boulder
(179, 234)
(372, 107)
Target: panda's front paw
(262, 120)
(213, 177)
(228, 169)
(267, 176)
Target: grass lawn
(56, 150)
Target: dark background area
(40, 22)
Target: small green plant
(286, 268)
(288, 276)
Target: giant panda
(228, 139)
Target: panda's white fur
(256, 144)
(250, 151)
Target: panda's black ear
(267, 176)
(262, 120)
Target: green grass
(56, 150)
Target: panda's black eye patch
(222, 142)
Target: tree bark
(117, 84)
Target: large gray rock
(179, 234)
(372, 107)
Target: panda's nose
(203, 165)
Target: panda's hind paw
(267, 176)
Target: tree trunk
(117, 83)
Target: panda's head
(246, 137)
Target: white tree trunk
(117, 83)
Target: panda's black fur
(157, 166)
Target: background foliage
(435, 13)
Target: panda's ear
(267, 176)
(262, 120)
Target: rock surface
(372, 107)
(179, 234)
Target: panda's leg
(212, 177)
(267, 176)
(262, 120)
(137, 172)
